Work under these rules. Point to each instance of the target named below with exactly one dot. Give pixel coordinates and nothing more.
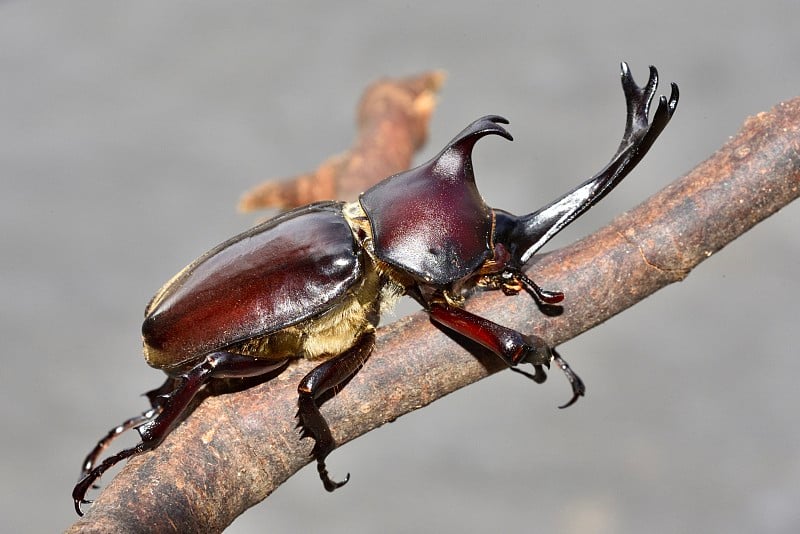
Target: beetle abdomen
(275, 275)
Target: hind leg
(170, 403)
(156, 403)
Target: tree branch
(232, 453)
(393, 117)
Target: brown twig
(231, 453)
(393, 120)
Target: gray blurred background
(128, 130)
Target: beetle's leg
(156, 402)
(173, 405)
(513, 347)
(102, 445)
(326, 376)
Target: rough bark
(231, 453)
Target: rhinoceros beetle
(312, 281)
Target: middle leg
(323, 378)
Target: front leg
(513, 347)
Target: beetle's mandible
(311, 282)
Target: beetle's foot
(313, 425)
(88, 480)
(91, 459)
(330, 485)
(538, 376)
(81, 502)
(539, 354)
(320, 451)
(542, 295)
(578, 387)
(81, 488)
